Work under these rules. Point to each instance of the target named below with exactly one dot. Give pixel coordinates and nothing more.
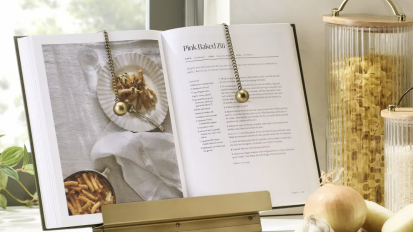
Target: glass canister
(368, 67)
(398, 154)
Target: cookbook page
(229, 147)
(86, 155)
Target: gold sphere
(242, 96)
(120, 108)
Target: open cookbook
(182, 80)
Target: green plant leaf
(9, 171)
(36, 196)
(29, 169)
(11, 156)
(1, 136)
(26, 157)
(29, 204)
(3, 201)
(3, 180)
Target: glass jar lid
(398, 113)
(363, 20)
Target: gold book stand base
(220, 213)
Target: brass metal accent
(392, 107)
(220, 224)
(396, 112)
(220, 213)
(120, 108)
(98, 229)
(112, 68)
(242, 96)
(336, 12)
(400, 16)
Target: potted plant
(9, 159)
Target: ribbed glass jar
(398, 153)
(368, 68)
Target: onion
(342, 207)
(377, 215)
(401, 222)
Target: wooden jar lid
(399, 113)
(363, 20)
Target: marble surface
(22, 219)
(281, 223)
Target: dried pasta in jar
(369, 66)
(359, 88)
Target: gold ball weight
(242, 96)
(120, 108)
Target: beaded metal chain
(242, 95)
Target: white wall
(307, 16)
(216, 11)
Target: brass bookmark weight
(242, 95)
(121, 108)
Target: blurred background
(37, 17)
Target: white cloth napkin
(148, 161)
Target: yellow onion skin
(402, 221)
(342, 207)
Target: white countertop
(22, 219)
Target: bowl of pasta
(87, 191)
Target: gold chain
(111, 67)
(242, 95)
(232, 55)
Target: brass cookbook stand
(221, 213)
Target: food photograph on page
(106, 158)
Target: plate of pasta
(140, 82)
